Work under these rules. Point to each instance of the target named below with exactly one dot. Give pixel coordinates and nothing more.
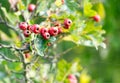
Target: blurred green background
(103, 64)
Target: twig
(8, 46)
(66, 51)
(8, 59)
(27, 80)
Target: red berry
(57, 23)
(59, 30)
(72, 78)
(35, 28)
(31, 7)
(27, 55)
(67, 23)
(46, 35)
(96, 18)
(49, 44)
(43, 30)
(23, 25)
(53, 31)
(28, 27)
(63, 1)
(26, 33)
(66, 26)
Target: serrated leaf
(72, 5)
(88, 11)
(41, 44)
(11, 17)
(42, 6)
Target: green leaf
(5, 29)
(37, 20)
(11, 17)
(5, 4)
(41, 44)
(42, 7)
(72, 5)
(88, 11)
(65, 68)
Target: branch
(8, 59)
(25, 73)
(8, 46)
(66, 51)
(11, 27)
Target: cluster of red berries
(44, 32)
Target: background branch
(8, 59)
(11, 27)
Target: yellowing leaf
(58, 3)
(72, 38)
(101, 10)
(84, 78)
(88, 9)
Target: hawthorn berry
(67, 23)
(27, 55)
(96, 18)
(28, 27)
(35, 28)
(63, 1)
(57, 24)
(46, 35)
(53, 31)
(43, 30)
(72, 78)
(31, 7)
(26, 33)
(59, 30)
(23, 25)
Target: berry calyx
(96, 18)
(46, 35)
(23, 25)
(53, 31)
(49, 44)
(67, 23)
(26, 33)
(35, 28)
(72, 78)
(31, 7)
(43, 30)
